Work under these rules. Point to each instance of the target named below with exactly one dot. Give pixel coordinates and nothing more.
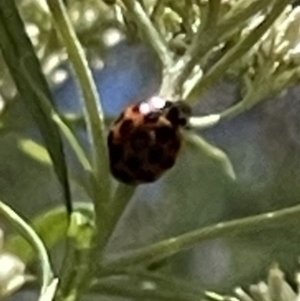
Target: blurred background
(262, 144)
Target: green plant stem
(227, 25)
(215, 154)
(114, 211)
(211, 19)
(265, 85)
(163, 281)
(34, 240)
(96, 130)
(71, 138)
(72, 286)
(172, 246)
(77, 283)
(93, 111)
(204, 122)
(157, 12)
(209, 37)
(73, 141)
(249, 101)
(79, 238)
(149, 31)
(238, 108)
(113, 288)
(235, 53)
(118, 204)
(262, 87)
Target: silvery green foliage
(274, 60)
(269, 67)
(101, 24)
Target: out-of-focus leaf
(51, 227)
(35, 151)
(19, 55)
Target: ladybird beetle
(145, 140)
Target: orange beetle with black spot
(145, 140)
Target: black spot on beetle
(178, 113)
(122, 176)
(110, 137)
(126, 127)
(146, 176)
(163, 134)
(155, 155)
(182, 121)
(174, 144)
(173, 115)
(167, 163)
(116, 152)
(140, 140)
(134, 163)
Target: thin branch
(242, 106)
(172, 246)
(215, 154)
(93, 111)
(206, 39)
(236, 52)
(34, 240)
(204, 122)
(73, 141)
(114, 211)
(96, 130)
(157, 12)
(119, 202)
(226, 25)
(211, 19)
(64, 128)
(72, 285)
(149, 31)
(265, 85)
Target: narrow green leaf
(18, 53)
